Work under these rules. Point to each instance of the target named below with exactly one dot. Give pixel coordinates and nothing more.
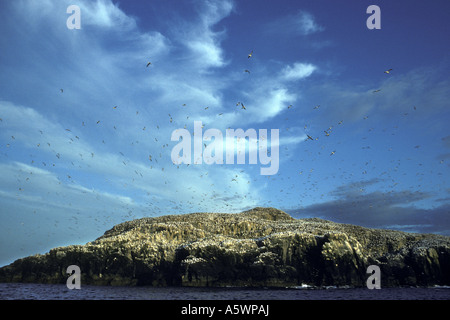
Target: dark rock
(259, 247)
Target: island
(261, 247)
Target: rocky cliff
(259, 247)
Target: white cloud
(278, 100)
(105, 14)
(268, 103)
(207, 52)
(202, 42)
(297, 71)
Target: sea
(32, 291)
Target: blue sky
(74, 162)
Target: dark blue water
(20, 291)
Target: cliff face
(259, 247)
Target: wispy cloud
(37, 187)
(202, 42)
(297, 71)
(301, 23)
(105, 14)
(270, 103)
(272, 92)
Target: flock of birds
(196, 200)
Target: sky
(87, 115)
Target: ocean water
(22, 291)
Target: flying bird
(250, 54)
(388, 71)
(149, 63)
(375, 91)
(61, 90)
(309, 137)
(246, 70)
(317, 107)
